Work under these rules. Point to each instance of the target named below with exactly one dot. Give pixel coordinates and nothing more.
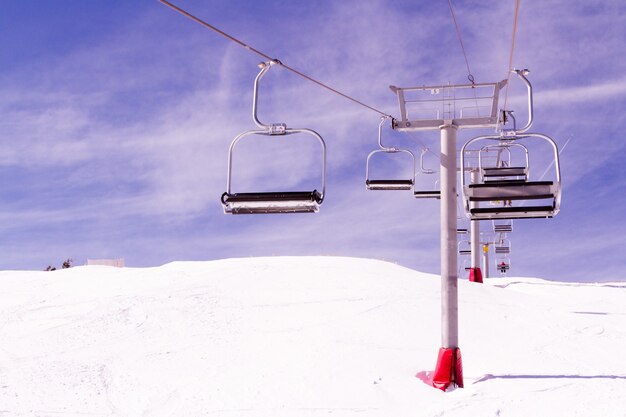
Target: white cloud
(604, 90)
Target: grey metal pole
(474, 229)
(486, 261)
(449, 279)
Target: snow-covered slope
(302, 337)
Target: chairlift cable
(470, 77)
(510, 66)
(267, 57)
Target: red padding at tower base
(476, 275)
(449, 369)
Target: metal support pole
(486, 261)
(449, 279)
(474, 229)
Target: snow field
(302, 336)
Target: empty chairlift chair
(464, 266)
(428, 193)
(503, 170)
(276, 201)
(388, 184)
(502, 226)
(506, 192)
(465, 247)
(502, 247)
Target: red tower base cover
(449, 369)
(476, 275)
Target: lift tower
(448, 108)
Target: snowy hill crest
(302, 336)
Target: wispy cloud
(604, 90)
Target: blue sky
(116, 119)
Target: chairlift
(276, 201)
(463, 226)
(503, 169)
(502, 194)
(502, 226)
(464, 266)
(503, 265)
(388, 184)
(518, 198)
(435, 193)
(502, 246)
(465, 247)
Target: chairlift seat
(505, 172)
(502, 228)
(462, 231)
(465, 252)
(427, 194)
(389, 184)
(503, 249)
(272, 202)
(510, 190)
(490, 180)
(512, 213)
(505, 180)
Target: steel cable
(267, 57)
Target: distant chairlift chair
(502, 226)
(272, 202)
(388, 184)
(502, 246)
(465, 247)
(503, 170)
(434, 193)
